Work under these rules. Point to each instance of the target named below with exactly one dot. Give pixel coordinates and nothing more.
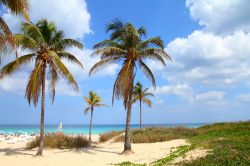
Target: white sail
(60, 127)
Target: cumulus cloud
(181, 90)
(221, 16)
(210, 59)
(213, 99)
(210, 96)
(71, 16)
(88, 61)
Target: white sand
(191, 155)
(103, 154)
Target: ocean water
(83, 129)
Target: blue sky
(207, 81)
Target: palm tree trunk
(127, 142)
(140, 115)
(90, 126)
(40, 149)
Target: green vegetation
(108, 135)
(181, 150)
(149, 135)
(127, 163)
(228, 142)
(60, 141)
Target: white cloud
(181, 90)
(17, 82)
(210, 96)
(221, 16)
(209, 59)
(88, 61)
(71, 16)
(245, 97)
(213, 99)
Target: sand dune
(103, 154)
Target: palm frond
(101, 64)
(62, 69)
(145, 69)
(115, 25)
(109, 51)
(155, 51)
(152, 42)
(33, 32)
(142, 31)
(18, 7)
(25, 42)
(101, 105)
(147, 102)
(11, 67)
(86, 110)
(53, 79)
(33, 87)
(70, 57)
(107, 43)
(72, 43)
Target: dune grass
(150, 135)
(59, 141)
(228, 143)
(108, 135)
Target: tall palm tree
(93, 100)
(47, 46)
(7, 40)
(126, 45)
(141, 95)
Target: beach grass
(108, 135)
(59, 141)
(154, 134)
(228, 144)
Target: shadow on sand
(16, 151)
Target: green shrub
(60, 141)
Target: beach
(13, 153)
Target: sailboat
(59, 128)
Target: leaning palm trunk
(140, 115)
(90, 126)
(40, 149)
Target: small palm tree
(7, 40)
(126, 45)
(93, 100)
(47, 46)
(141, 95)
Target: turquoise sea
(82, 129)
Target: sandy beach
(14, 153)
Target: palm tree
(126, 45)
(141, 95)
(7, 40)
(93, 100)
(47, 46)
